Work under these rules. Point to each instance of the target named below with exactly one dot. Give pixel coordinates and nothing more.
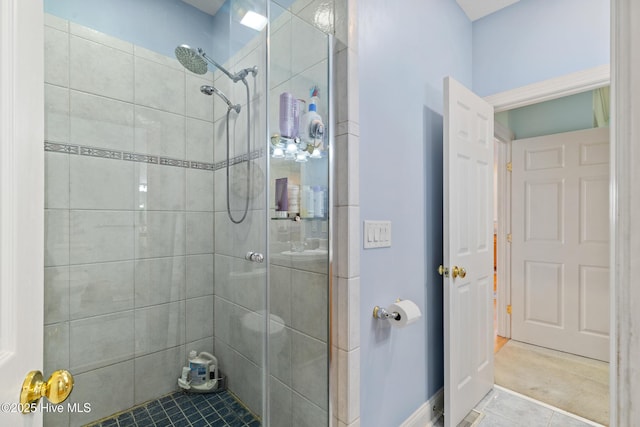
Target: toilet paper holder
(383, 313)
(399, 314)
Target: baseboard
(425, 416)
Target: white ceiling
(476, 9)
(207, 6)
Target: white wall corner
(345, 377)
(425, 415)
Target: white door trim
(625, 213)
(557, 87)
(21, 198)
(504, 137)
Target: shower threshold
(182, 409)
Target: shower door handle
(254, 256)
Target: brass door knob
(458, 271)
(443, 271)
(56, 389)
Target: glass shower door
(299, 281)
(240, 208)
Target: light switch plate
(377, 234)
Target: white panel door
(21, 202)
(560, 247)
(468, 245)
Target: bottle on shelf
(282, 198)
(289, 115)
(306, 202)
(294, 198)
(318, 201)
(311, 126)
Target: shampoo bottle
(311, 125)
(289, 115)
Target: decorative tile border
(147, 158)
(142, 158)
(203, 166)
(60, 148)
(98, 152)
(174, 162)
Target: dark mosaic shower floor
(183, 410)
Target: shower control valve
(254, 256)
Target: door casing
(503, 138)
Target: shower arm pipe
(240, 75)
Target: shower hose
(248, 160)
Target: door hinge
(509, 238)
(509, 309)
(509, 166)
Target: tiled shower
(142, 263)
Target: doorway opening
(554, 374)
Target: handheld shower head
(210, 90)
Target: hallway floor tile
(505, 408)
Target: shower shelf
(306, 218)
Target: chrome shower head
(210, 90)
(191, 59)
(195, 60)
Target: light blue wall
(158, 25)
(161, 25)
(534, 40)
(565, 114)
(405, 51)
